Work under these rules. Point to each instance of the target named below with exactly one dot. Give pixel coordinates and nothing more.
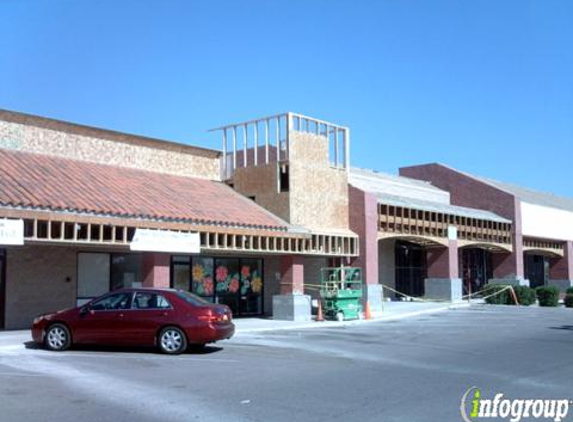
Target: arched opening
(402, 264)
(537, 265)
(476, 268)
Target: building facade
(86, 210)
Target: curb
(335, 324)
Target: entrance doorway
(2, 287)
(411, 269)
(536, 269)
(476, 269)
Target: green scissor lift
(341, 292)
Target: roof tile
(41, 181)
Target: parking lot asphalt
(414, 369)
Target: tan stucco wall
(318, 192)
(36, 282)
(387, 264)
(86, 146)
(262, 183)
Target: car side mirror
(84, 310)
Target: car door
(149, 312)
(103, 320)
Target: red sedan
(169, 319)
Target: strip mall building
(279, 202)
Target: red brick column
(443, 282)
(443, 262)
(155, 269)
(562, 268)
(292, 275)
(364, 222)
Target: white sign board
(11, 232)
(165, 241)
(452, 233)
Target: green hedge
(525, 295)
(548, 295)
(569, 291)
(569, 300)
(498, 299)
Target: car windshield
(192, 299)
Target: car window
(112, 302)
(192, 299)
(148, 300)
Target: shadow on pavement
(563, 327)
(194, 350)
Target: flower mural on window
(202, 275)
(198, 272)
(208, 286)
(234, 284)
(257, 284)
(245, 272)
(221, 273)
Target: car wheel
(340, 316)
(172, 341)
(57, 338)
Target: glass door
(2, 287)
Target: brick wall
(36, 282)
(364, 222)
(262, 183)
(469, 192)
(272, 283)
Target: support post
(155, 269)
(292, 304)
(443, 282)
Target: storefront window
(125, 271)
(202, 274)
(237, 283)
(181, 274)
(251, 286)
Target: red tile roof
(59, 184)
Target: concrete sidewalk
(392, 311)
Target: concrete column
(292, 304)
(443, 282)
(561, 269)
(363, 215)
(155, 269)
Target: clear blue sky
(485, 86)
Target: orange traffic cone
(319, 315)
(367, 313)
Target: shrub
(498, 299)
(548, 295)
(525, 295)
(569, 300)
(569, 291)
